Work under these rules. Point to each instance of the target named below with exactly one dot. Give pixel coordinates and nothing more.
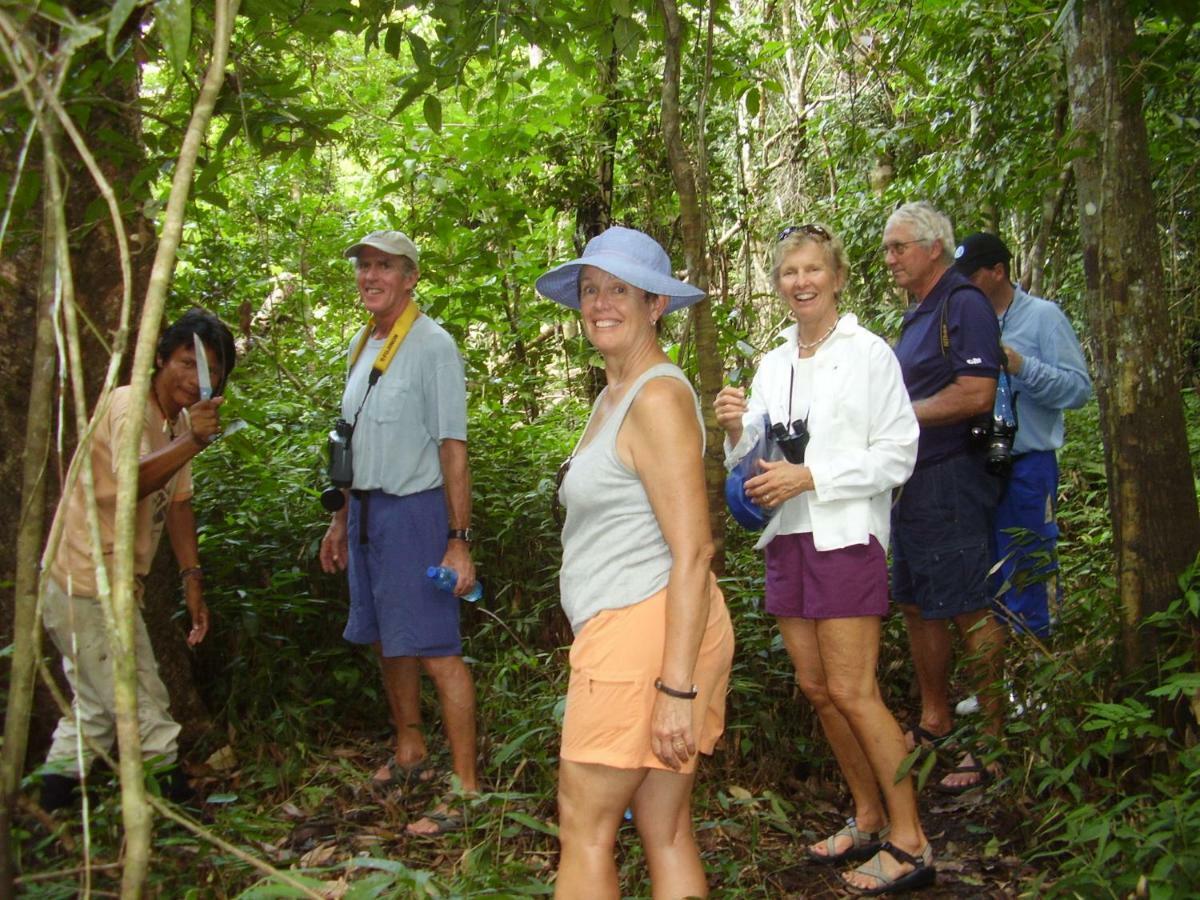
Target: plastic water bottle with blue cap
(445, 578)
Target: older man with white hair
(949, 352)
(409, 508)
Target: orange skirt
(615, 661)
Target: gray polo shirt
(420, 401)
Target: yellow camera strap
(395, 338)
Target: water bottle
(445, 578)
(1003, 409)
(999, 456)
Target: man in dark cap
(1048, 374)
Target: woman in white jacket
(825, 542)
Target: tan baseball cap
(396, 243)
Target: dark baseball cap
(979, 250)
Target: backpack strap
(944, 329)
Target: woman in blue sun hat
(833, 399)
(653, 641)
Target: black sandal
(863, 844)
(923, 737)
(923, 873)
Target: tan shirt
(72, 567)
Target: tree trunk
(1156, 529)
(25, 630)
(694, 224)
(30, 465)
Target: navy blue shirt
(974, 350)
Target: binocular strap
(364, 506)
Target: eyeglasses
(556, 507)
(811, 230)
(898, 247)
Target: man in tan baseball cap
(409, 512)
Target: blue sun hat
(634, 257)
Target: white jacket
(863, 432)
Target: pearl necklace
(819, 341)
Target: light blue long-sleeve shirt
(1053, 374)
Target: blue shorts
(391, 600)
(1026, 535)
(942, 537)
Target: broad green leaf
(420, 50)
(117, 17)
(173, 20)
(432, 108)
(392, 39)
(627, 34)
(907, 763)
(76, 34)
(753, 101)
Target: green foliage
(480, 129)
(1118, 791)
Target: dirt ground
(752, 848)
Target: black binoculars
(341, 465)
(791, 442)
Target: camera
(341, 465)
(993, 435)
(791, 443)
(998, 455)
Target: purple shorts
(807, 583)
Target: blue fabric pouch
(745, 511)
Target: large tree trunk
(695, 225)
(1155, 525)
(30, 477)
(30, 466)
(28, 545)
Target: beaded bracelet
(191, 572)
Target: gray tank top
(614, 554)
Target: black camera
(998, 455)
(993, 437)
(792, 444)
(341, 466)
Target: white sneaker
(970, 706)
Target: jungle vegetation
(161, 154)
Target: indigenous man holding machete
(180, 418)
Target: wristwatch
(461, 534)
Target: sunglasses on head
(811, 230)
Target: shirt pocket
(392, 401)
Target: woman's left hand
(780, 481)
(671, 736)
